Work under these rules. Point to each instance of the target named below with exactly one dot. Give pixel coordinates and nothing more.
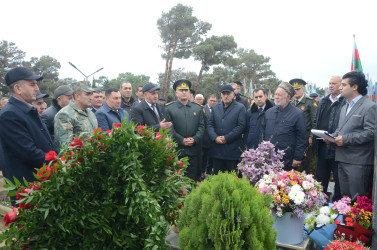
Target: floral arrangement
(257, 162)
(345, 244)
(118, 189)
(292, 191)
(342, 206)
(322, 216)
(362, 211)
(357, 222)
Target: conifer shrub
(119, 189)
(226, 212)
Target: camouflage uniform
(71, 121)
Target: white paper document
(323, 134)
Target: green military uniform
(71, 121)
(309, 107)
(188, 121)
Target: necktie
(155, 111)
(260, 109)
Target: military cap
(238, 83)
(150, 87)
(226, 88)
(83, 87)
(182, 84)
(62, 90)
(162, 99)
(40, 95)
(20, 73)
(297, 83)
(313, 95)
(192, 92)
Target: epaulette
(198, 104)
(169, 103)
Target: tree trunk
(197, 84)
(166, 92)
(165, 85)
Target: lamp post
(86, 77)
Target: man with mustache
(284, 126)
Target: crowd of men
(211, 132)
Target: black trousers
(323, 171)
(193, 169)
(224, 165)
(206, 161)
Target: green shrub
(226, 213)
(117, 190)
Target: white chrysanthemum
(296, 188)
(322, 220)
(324, 210)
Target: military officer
(188, 120)
(76, 117)
(239, 97)
(309, 107)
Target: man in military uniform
(76, 117)
(188, 120)
(309, 107)
(239, 97)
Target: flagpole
(353, 56)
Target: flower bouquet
(257, 162)
(345, 244)
(322, 223)
(358, 222)
(292, 191)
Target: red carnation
(35, 186)
(23, 191)
(45, 170)
(180, 164)
(117, 125)
(180, 205)
(77, 143)
(140, 130)
(159, 136)
(51, 156)
(9, 218)
(97, 130)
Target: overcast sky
(308, 39)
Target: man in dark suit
(225, 129)
(150, 112)
(111, 112)
(327, 118)
(207, 162)
(354, 136)
(24, 138)
(254, 116)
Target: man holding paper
(354, 136)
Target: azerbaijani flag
(356, 62)
(251, 89)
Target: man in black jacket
(24, 139)
(149, 112)
(254, 116)
(237, 86)
(327, 118)
(62, 96)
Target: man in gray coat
(354, 136)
